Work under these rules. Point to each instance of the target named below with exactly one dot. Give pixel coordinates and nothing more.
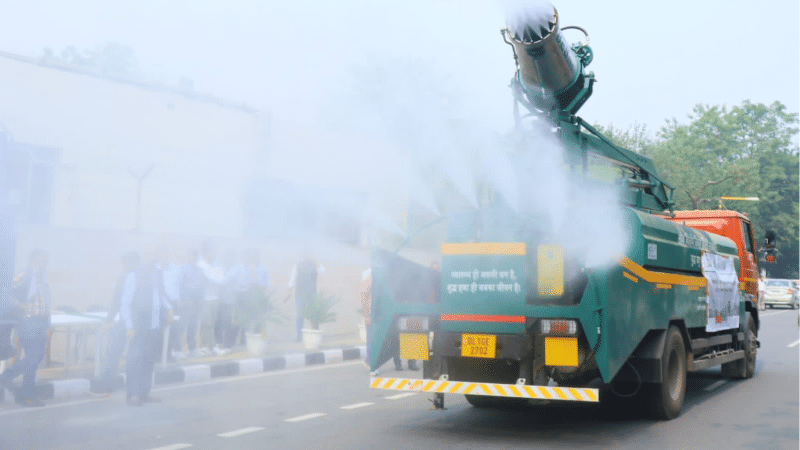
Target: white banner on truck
(723, 292)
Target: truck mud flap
(400, 287)
(488, 389)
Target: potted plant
(254, 311)
(318, 310)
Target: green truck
(517, 311)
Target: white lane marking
(305, 417)
(22, 410)
(173, 447)
(356, 405)
(714, 385)
(403, 395)
(793, 344)
(240, 432)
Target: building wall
(108, 131)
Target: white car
(780, 292)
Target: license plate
(478, 345)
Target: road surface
(332, 407)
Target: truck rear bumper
(488, 389)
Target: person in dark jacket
(116, 329)
(31, 295)
(142, 304)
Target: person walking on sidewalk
(142, 302)
(115, 327)
(31, 295)
(303, 283)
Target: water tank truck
(518, 313)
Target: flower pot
(362, 333)
(311, 338)
(256, 344)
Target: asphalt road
(332, 407)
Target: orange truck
(735, 226)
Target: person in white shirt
(215, 277)
(762, 286)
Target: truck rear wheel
(746, 367)
(666, 398)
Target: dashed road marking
(240, 432)
(173, 447)
(305, 417)
(403, 395)
(714, 385)
(356, 405)
(794, 344)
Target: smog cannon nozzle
(550, 73)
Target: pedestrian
(114, 326)
(30, 294)
(303, 283)
(142, 304)
(762, 287)
(214, 277)
(171, 275)
(192, 294)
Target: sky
(652, 60)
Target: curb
(70, 388)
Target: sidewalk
(57, 383)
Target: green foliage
(635, 138)
(254, 310)
(749, 150)
(319, 309)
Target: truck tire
(746, 367)
(666, 398)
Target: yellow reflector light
(561, 351)
(550, 281)
(414, 346)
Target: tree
(635, 138)
(749, 150)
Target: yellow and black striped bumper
(490, 389)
